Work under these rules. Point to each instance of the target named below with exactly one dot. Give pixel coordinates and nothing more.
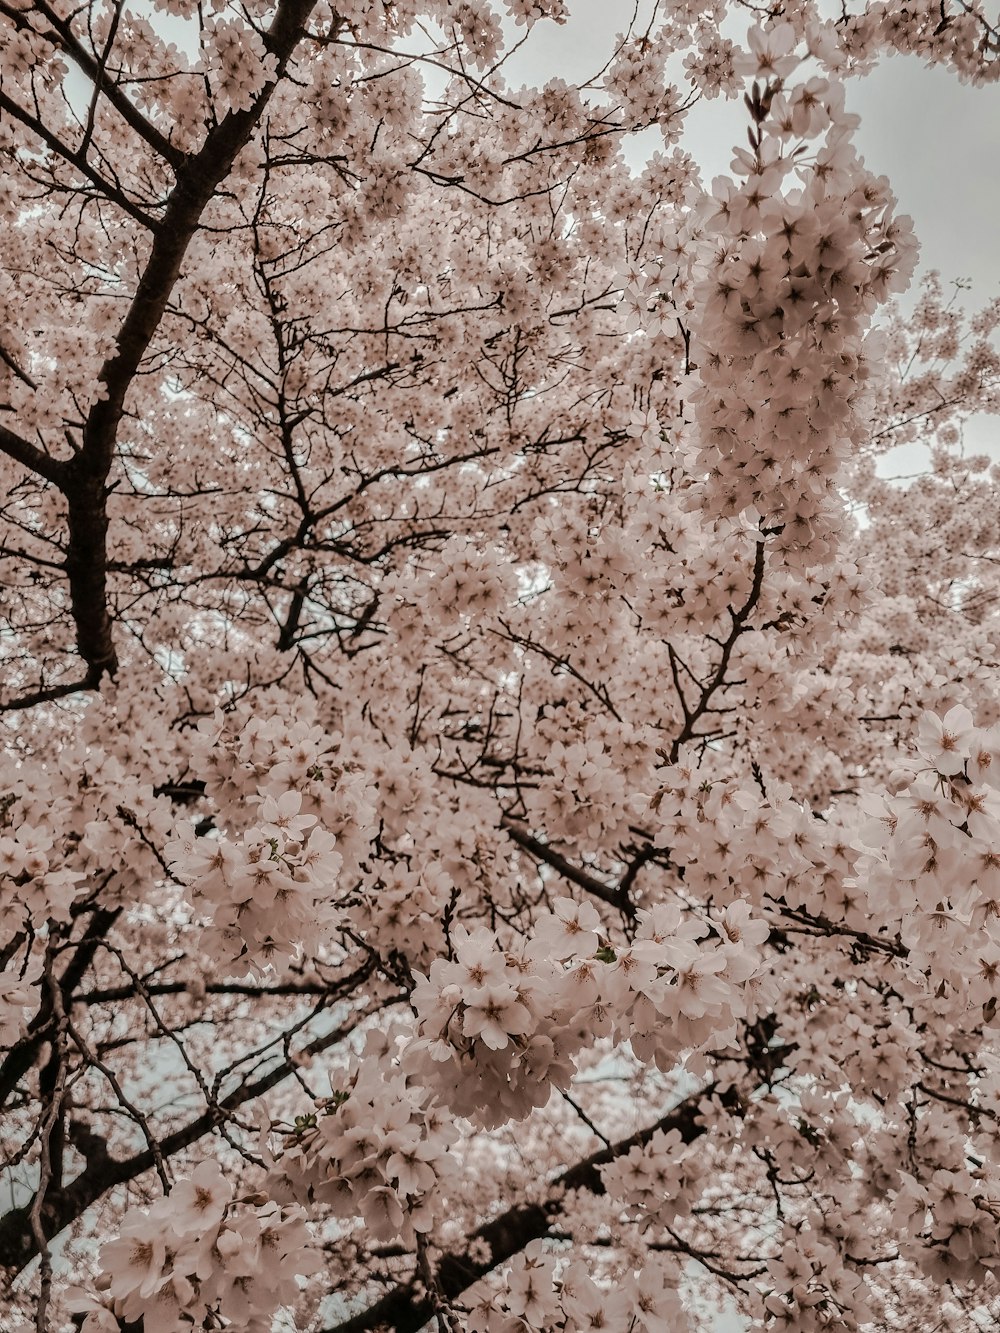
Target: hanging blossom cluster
(18, 989)
(78, 820)
(198, 1258)
(315, 832)
(950, 1221)
(292, 822)
(378, 1149)
(238, 65)
(35, 886)
(806, 247)
(542, 1294)
(498, 1027)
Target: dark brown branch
(30, 456)
(609, 894)
(85, 477)
(113, 994)
(11, 363)
(405, 1311)
(45, 694)
(78, 160)
(821, 925)
(739, 623)
(17, 1242)
(22, 1055)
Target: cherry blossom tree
(500, 818)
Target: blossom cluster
(747, 849)
(79, 823)
(541, 1294)
(265, 891)
(498, 1027)
(238, 64)
(199, 1257)
(930, 865)
(292, 823)
(809, 1286)
(498, 586)
(17, 1000)
(378, 1149)
(806, 246)
(80, 818)
(657, 1181)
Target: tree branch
(89, 65)
(614, 897)
(405, 1310)
(18, 1245)
(31, 457)
(85, 476)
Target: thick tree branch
(614, 897)
(22, 1055)
(85, 478)
(31, 457)
(44, 695)
(404, 1310)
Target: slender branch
(30, 456)
(88, 65)
(12, 364)
(78, 160)
(18, 1245)
(609, 894)
(739, 623)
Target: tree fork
(84, 481)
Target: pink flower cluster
(237, 62)
(658, 1181)
(541, 1294)
(498, 1028)
(292, 822)
(379, 1150)
(811, 1288)
(930, 866)
(197, 1257)
(781, 304)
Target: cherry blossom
(500, 795)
